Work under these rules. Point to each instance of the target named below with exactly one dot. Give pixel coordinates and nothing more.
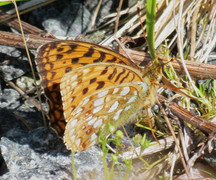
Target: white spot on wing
(73, 137)
(74, 84)
(132, 99)
(117, 114)
(135, 93)
(127, 108)
(78, 111)
(74, 77)
(71, 131)
(85, 101)
(98, 102)
(93, 137)
(78, 142)
(103, 93)
(115, 90)
(73, 122)
(125, 90)
(98, 123)
(144, 85)
(92, 121)
(89, 118)
(97, 109)
(113, 107)
(85, 71)
(88, 131)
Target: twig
(95, 14)
(23, 121)
(31, 100)
(118, 17)
(15, 40)
(175, 139)
(196, 69)
(191, 118)
(28, 28)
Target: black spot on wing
(104, 71)
(92, 80)
(112, 60)
(68, 69)
(90, 52)
(60, 49)
(119, 75)
(111, 76)
(85, 90)
(74, 60)
(125, 77)
(101, 58)
(100, 85)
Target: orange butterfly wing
(54, 59)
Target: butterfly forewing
(54, 59)
(115, 104)
(57, 58)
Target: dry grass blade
(95, 14)
(23, 121)
(27, 28)
(30, 61)
(175, 139)
(154, 147)
(24, 8)
(166, 24)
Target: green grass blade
(8, 2)
(150, 25)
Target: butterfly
(88, 87)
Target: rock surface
(39, 153)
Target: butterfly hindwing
(115, 104)
(83, 81)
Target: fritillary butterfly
(89, 86)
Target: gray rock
(68, 19)
(12, 63)
(42, 155)
(8, 98)
(63, 19)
